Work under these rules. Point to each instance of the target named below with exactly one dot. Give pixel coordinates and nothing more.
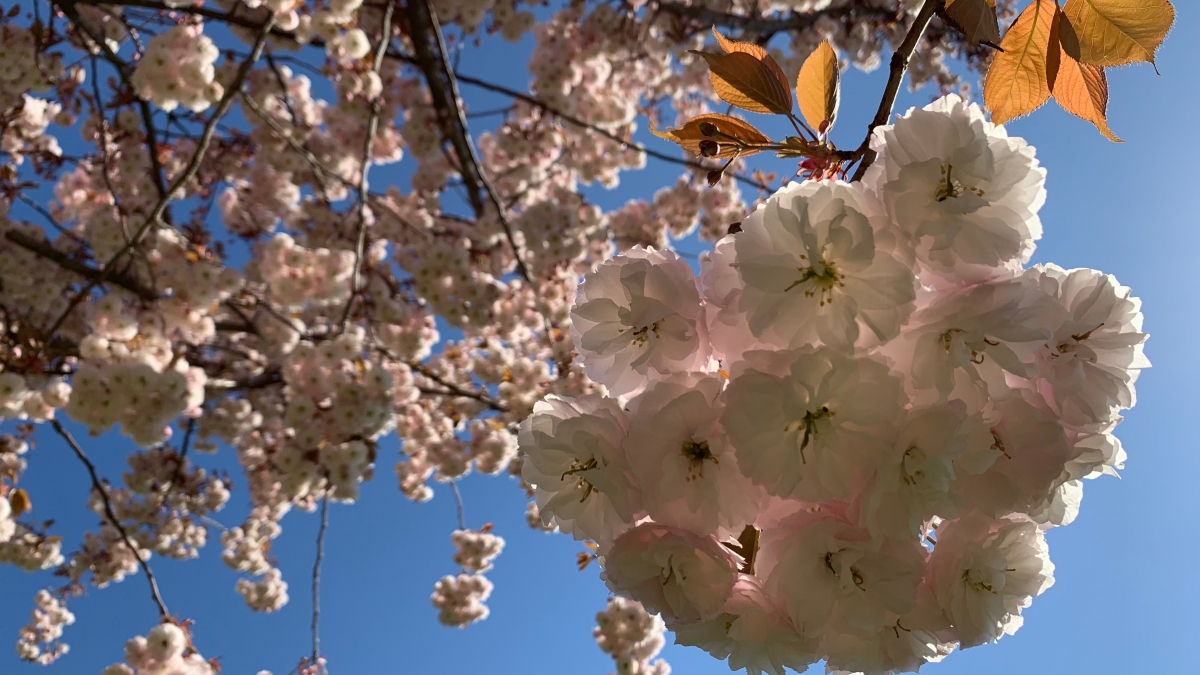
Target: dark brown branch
(899, 65)
(112, 516)
(216, 15)
(455, 390)
(533, 101)
(44, 250)
(792, 21)
(430, 46)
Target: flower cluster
(167, 648)
(632, 636)
(177, 69)
(845, 439)
(476, 549)
(460, 598)
(39, 641)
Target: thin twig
(575, 121)
(455, 390)
(316, 580)
(112, 516)
(360, 237)
(187, 438)
(897, 68)
(458, 505)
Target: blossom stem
(899, 65)
(98, 486)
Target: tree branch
(125, 72)
(792, 21)
(899, 65)
(430, 47)
(360, 237)
(44, 250)
(638, 147)
(112, 516)
(455, 390)
(316, 582)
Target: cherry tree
(842, 439)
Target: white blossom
(962, 189)
(815, 269)
(639, 315)
(575, 463)
(808, 423)
(822, 568)
(689, 474)
(984, 571)
(682, 576)
(1087, 368)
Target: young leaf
(1081, 89)
(1019, 79)
(747, 77)
(977, 18)
(818, 87)
(1116, 32)
(734, 46)
(691, 135)
(19, 501)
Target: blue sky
(1127, 586)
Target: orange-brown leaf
(734, 46)
(1019, 79)
(19, 501)
(689, 135)
(818, 87)
(1081, 89)
(747, 77)
(977, 18)
(1116, 32)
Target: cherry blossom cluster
(632, 636)
(329, 310)
(460, 599)
(27, 133)
(845, 438)
(476, 549)
(177, 69)
(166, 648)
(40, 640)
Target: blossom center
(949, 188)
(697, 453)
(1077, 339)
(912, 476)
(819, 279)
(984, 580)
(644, 333)
(809, 424)
(856, 577)
(577, 467)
